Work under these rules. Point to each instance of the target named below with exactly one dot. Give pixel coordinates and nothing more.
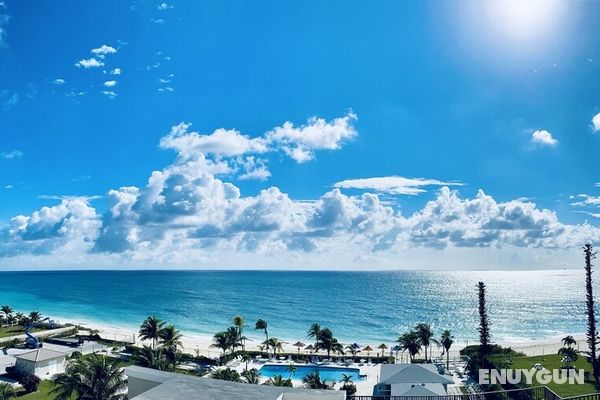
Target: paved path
(49, 332)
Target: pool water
(327, 373)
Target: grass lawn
(6, 331)
(41, 394)
(551, 362)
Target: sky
(299, 135)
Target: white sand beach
(201, 344)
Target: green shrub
(30, 383)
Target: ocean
(363, 307)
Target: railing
(534, 393)
(593, 396)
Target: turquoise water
(326, 373)
(363, 307)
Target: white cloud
(222, 142)
(586, 200)
(164, 6)
(543, 137)
(59, 81)
(7, 187)
(254, 168)
(110, 83)
(596, 123)
(301, 142)
(12, 154)
(109, 93)
(103, 51)
(393, 184)
(116, 71)
(89, 63)
(597, 184)
(4, 18)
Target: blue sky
(492, 96)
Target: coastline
(195, 343)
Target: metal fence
(534, 393)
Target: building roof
(419, 389)
(411, 373)
(39, 355)
(177, 386)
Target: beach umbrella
(298, 345)
(309, 348)
(368, 349)
(356, 345)
(383, 348)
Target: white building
(411, 380)
(43, 363)
(150, 384)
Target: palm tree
(170, 337)
(410, 342)
(274, 343)
(446, 341)
(291, 369)
(7, 392)
(7, 310)
(353, 350)
(262, 324)
(346, 378)
(95, 378)
(251, 376)
(235, 340)
(313, 381)
(240, 323)
(425, 336)
(278, 380)
(569, 355)
(151, 329)
(246, 359)
(21, 318)
(569, 341)
(34, 316)
(314, 333)
(328, 342)
(226, 374)
(221, 340)
(153, 358)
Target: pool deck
(363, 387)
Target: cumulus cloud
(189, 214)
(222, 142)
(543, 137)
(59, 81)
(586, 200)
(12, 154)
(393, 184)
(103, 50)
(596, 123)
(116, 71)
(110, 83)
(89, 63)
(300, 142)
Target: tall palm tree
(7, 392)
(262, 324)
(353, 350)
(313, 333)
(251, 376)
(240, 323)
(21, 318)
(221, 340)
(313, 381)
(425, 336)
(151, 329)
(226, 374)
(95, 378)
(170, 337)
(328, 342)
(278, 380)
(410, 342)
(569, 341)
(446, 341)
(235, 340)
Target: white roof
(411, 373)
(40, 355)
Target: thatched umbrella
(298, 345)
(383, 348)
(368, 349)
(309, 348)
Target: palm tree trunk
(447, 358)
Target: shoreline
(196, 343)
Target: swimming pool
(327, 373)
